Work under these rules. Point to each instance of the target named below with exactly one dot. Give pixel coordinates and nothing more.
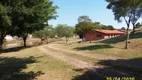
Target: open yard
(128, 65)
(30, 63)
(110, 47)
(73, 61)
(109, 52)
(26, 64)
(70, 40)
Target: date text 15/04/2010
(120, 78)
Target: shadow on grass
(131, 66)
(88, 75)
(98, 74)
(94, 47)
(14, 49)
(121, 38)
(121, 68)
(11, 69)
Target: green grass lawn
(105, 49)
(110, 47)
(79, 57)
(114, 47)
(29, 63)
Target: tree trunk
(3, 33)
(47, 41)
(67, 39)
(127, 38)
(24, 39)
(134, 28)
(1, 43)
(83, 38)
(42, 39)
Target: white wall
(9, 38)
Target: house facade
(103, 34)
(9, 38)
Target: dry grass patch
(134, 51)
(32, 63)
(77, 56)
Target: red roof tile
(111, 31)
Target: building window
(99, 35)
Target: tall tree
(110, 27)
(84, 19)
(98, 25)
(81, 29)
(82, 24)
(69, 32)
(21, 17)
(63, 30)
(136, 8)
(84, 28)
(122, 9)
(123, 28)
(47, 32)
(5, 19)
(31, 17)
(107, 27)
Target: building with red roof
(103, 34)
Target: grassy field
(114, 47)
(30, 63)
(79, 57)
(110, 47)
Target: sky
(70, 10)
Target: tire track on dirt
(99, 70)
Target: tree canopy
(129, 10)
(138, 25)
(123, 28)
(47, 32)
(21, 17)
(63, 30)
(108, 27)
(5, 20)
(84, 18)
(40, 12)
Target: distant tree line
(138, 25)
(60, 31)
(84, 26)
